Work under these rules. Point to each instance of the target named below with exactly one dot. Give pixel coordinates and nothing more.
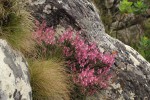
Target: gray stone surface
(131, 71)
(14, 75)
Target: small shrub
(88, 66)
(46, 46)
(144, 48)
(138, 7)
(132, 7)
(125, 6)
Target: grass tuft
(16, 24)
(49, 80)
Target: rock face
(14, 76)
(131, 71)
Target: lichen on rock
(14, 75)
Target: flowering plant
(89, 67)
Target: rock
(131, 71)
(14, 75)
(125, 34)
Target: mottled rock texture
(131, 71)
(14, 76)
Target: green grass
(48, 52)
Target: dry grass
(16, 24)
(49, 80)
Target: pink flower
(67, 52)
(81, 57)
(42, 34)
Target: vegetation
(49, 80)
(138, 7)
(144, 47)
(125, 8)
(16, 24)
(88, 67)
(58, 61)
(61, 62)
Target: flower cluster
(89, 67)
(43, 34)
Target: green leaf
(139, 7)
(125, 6)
